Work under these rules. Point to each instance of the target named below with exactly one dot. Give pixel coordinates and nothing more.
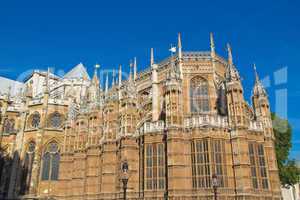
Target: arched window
(51, 159)
(35, 120)
(27, 167)
(55, 120)
(9, 125)
(199, 97)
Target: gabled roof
(79, 71)
(14, 86)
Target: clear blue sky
(38, 34)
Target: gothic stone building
(177, 124)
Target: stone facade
(176, 124)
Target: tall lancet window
(208, 159)
(51, 159)
(27, 167)
(155, 171)
(199, 98)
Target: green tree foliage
(289, 173)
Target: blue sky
(60, 34)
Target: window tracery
(55, 120)
(208, 158)
(9, 126)
(35, 121)
(199, 97)
(51, 159)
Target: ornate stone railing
(50, 101)
(255, 126)
(150, 127)
(196, 54)
(205, 120)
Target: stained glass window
(51, 162)
(199, 98)
(35, 121)
(55, 166)
(9, 125)
(31, 147)
(55, 120)
(46, 166)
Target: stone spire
(120, 75)
(212, 45)
(95, 79)
(230, 60)
(179, 46)
(151, 57)
(255, 73)
(231, 72)
(258, 89)
(134, 69)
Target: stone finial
(179, 41)
(255, 73)
(212, 44)
(151, 57)
(179, 45)
(258, 89)
(134, 69)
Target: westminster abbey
(182, 126)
